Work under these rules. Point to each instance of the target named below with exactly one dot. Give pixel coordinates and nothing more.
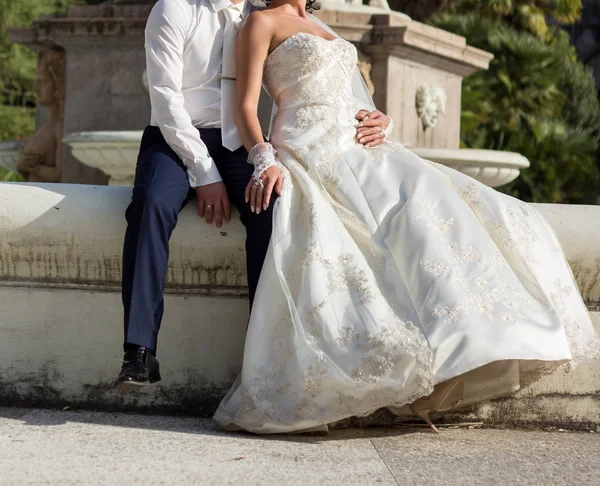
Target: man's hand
(213, 202)
(370, 131)
(259, 196)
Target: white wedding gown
(386, 273)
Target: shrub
(536, 99)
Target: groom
(190, 150)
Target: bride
(391, 281)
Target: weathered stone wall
(60, 306)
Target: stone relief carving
(40, 159)
(430, 102)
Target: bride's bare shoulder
(260, 21)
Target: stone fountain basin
(9, 153)
(115, 154)
(493, 168)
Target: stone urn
(114, 153)
(493, 168)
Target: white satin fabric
(386, 273)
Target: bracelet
(262, 157)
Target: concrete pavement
(72, 447)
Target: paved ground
(68, 447)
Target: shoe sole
(129, 386)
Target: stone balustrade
(61, 316)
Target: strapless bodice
(310, 80)
(307, 67)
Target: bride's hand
(258, 194)
(372, 126)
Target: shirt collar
(218, 5)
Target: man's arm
(166, 32)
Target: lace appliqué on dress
(519, 232)
(495, 301)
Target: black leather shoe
(140, 368)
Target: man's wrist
(199, 175)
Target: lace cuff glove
(262, 156)
(390, 128)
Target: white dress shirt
(184, 55)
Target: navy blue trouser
(160, 192)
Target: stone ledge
(81, 34)
(82, 31)
(22, 35)
(412, 46)
(73, 235)
(396, 34)
(378, 34)
(418, 27)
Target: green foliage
(17, 65)
(17, 69)
(536, 99)
(529, 15)
(16, 123)
(7, 176)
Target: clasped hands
(213, 202)
(371, 127)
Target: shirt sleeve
(166, 34)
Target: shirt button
(194, 178)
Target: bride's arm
(252, 50)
